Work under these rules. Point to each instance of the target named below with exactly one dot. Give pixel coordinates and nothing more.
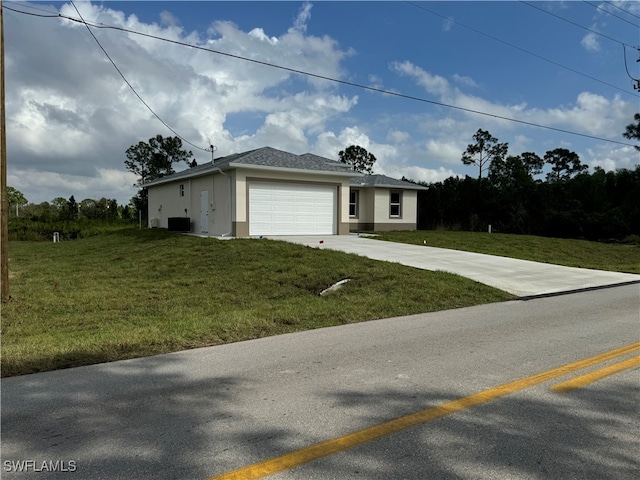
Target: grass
(571, 253)
(134, 293)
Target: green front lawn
(559, 251)
(142, 292)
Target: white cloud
(397, 136)
(259, 34)
(445, 151)
(464, 81)
(428, 175)
(612, 159)
(590, 42)
(303, 17)
(169, 19)
(592, 113)
(433, 84)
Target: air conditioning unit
(179, 224)
(155, 223)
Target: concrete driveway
(519, 277)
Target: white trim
(306, 171)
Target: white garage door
(291, 209)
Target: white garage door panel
(291, 209)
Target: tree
(564, 164)
(16, 199)
(72, 208)
(88, 208)
(509, 174)
(112, 208)
(152, 160)
(484, 151)
(125, 212)
(358, 158)
(59, 203)
(155, 159)
(532, 163)
(633, 130)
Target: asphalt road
(200, 413)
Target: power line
(621, 9)
(323, 77)
(129, 84)
(26, 5)
(577, 24)
(52, 15)
(519, 48)
(613, 15)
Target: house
(272, 192)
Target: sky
(411, 82)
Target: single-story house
(271, 192)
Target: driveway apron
(522, 278)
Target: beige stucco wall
(373, 211)
(165, 201)
(365, 207)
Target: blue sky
(71, 117)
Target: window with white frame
(182, 190)
(354, 197)
(395, 204)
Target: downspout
(189, 201)
(228, 234)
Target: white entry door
(292, 209)
(204, 211)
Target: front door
(204, 211)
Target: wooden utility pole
(4, 207)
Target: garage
(292, 209)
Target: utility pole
(4, 212)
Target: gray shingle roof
(271, 157)
(384, 181)
(263, 157)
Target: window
(395, 204)
(353, 202)
(182, 190)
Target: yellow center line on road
(583, 380)
(336, 445)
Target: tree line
(509, 194)
(512, 195)
(70, 218)
(63, 209)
